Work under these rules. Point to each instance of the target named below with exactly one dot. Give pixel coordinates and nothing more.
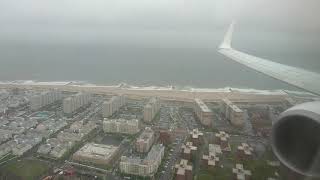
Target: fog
(79, 19)
(154, 41)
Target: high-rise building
(45, 98)
(143, 167)
(73, 103)
(204, 114)
(233, 113)
(121, 126)
(67, 105)
(35, 102)
(147, 113)
(151, 109)
(113, 105)
(145, 140)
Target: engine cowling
(295, 138)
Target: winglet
(226, 43)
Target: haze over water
(154, 42)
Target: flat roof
(232, 106)
(215, 149)
(121, 120)
(146, 134)
(202, 105)
(97, 150)
(183, 166)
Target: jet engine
(295, 138)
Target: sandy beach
(165, 93)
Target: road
(172, 159)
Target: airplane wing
(301, 78)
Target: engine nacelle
(296, 138)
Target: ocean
(151, 48)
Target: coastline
(165, 93)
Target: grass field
(205, 177)
(24, 170)
(216, 173)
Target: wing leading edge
(303, 79)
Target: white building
(96, 153)
(233, 113)
(145, 140)
(121, 126)
(143, 167)
(74, 102)
(204, 114)
(113, 105)
(43, 99)
(151, 109)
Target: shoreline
(133, 87)
(165, 93)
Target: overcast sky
(74, 19)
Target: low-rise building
(244, 151)
(204, 114)
(55, 148)
(50, 126)
(212, 159)
(188, 150)
(5, 135)
(240, 173)
(151, 109)
(58, 147)
(196, 136)
(223, 140)
(122, 126)
(96, 153)
(143, 167)
(24, 142)
(183, 170)
(145, 140)
(233, 113)
(215, 149)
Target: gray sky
(87, 19)
(37, 37)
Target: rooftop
(122, 121)
(154, 152)
(202, 105)
(150, 158)
(212, 159)
(240, 172)
(215, 149)
(96, 151)
(188, 147)
(146, 134)
(222, 135)
(183, 166)
(195, 133)
(232, 106)
(245, 148)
